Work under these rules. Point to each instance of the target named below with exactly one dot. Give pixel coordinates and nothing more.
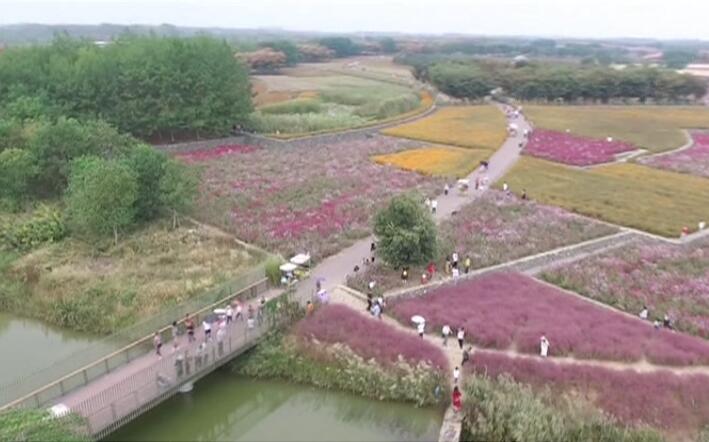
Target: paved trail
(335, 269)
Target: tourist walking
(457, 399)
(544, 346)
(644, 313)
(370, 302)
(466, 355)
(446, 189)
(404, 275)
(239, 314)
(207, 327)
(229, 314)
(446, 331)
(467, 265)
(434, 206)
(189, 323)
(456, 375)
(461, 336)
(175, 335)
(421, 328)
(455, 259)
(157, 343)
(309, 308)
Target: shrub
(17, 168)
(389, 107)
(406, 232)
(338, 367)
(45, 225)
(500, 410)
(33, 425)
(298, 106)
(273, 271)
(303, 123)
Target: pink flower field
(197, 156)
(573, 149)
(493, 229)
(314, 196)
(668, 279)
(512, 311)
(694, 160)
(368, 337)
(677, 404)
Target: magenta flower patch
(694, 160)
(197, 156)
(572, 149)
(512, 311)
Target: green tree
(388, 45)
(287, 47)
(148, 164)
(406, 232)
(679, 58)
(35, 425)
(17, 168)
(178, 188)
(101, 196)
(343, 46)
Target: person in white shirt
(434, 206)
(421, 328)
(456, 375)
(643, 313)
(207, 327)
(544, 346)
(229, 314)
(461, 337)
(446, 331)
(505, 188)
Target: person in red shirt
(457, 399)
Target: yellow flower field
(442, 161)
(655, 128)
(631, 195)
(482, 127)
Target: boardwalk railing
(79, 369)
(113, 406)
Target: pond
(225, 406)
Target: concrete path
(334, 269)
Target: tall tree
(406, 232)
(101, 196)
(178, 188)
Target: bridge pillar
(186, 387)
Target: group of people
(232, 312)
(666, 321)
(375, 304)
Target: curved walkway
(334, 269)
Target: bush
(298, 106)
(390, 107)
(303, 123)
(273, 270)
(45, 225)
(33, 425)
(406, 232)
(17, 168)
(337, 367)
(503, 410)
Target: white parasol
(416, 319)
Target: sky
(663, 19)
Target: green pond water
(227, 407)
(27, 346)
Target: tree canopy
(35, 425)
(148, 86)
(342, 46)
(406, 232)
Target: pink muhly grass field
(512, 311)
(196, 156)
(368, 337)
(573, 149)
(661, 399)
(694, 160)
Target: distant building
(102, 43)
(655, 56)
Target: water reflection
(227, 407)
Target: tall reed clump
(297, 106)
(338, 367)
(500, 410)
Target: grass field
(71, 284)
(444, 161)
(316, 100)
(482, 127)
(631, 195)
(655, 128)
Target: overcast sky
(572, 18)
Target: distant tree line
(148, 86)
(560, 82)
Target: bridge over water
(114, 388)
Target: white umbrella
(416, 319)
